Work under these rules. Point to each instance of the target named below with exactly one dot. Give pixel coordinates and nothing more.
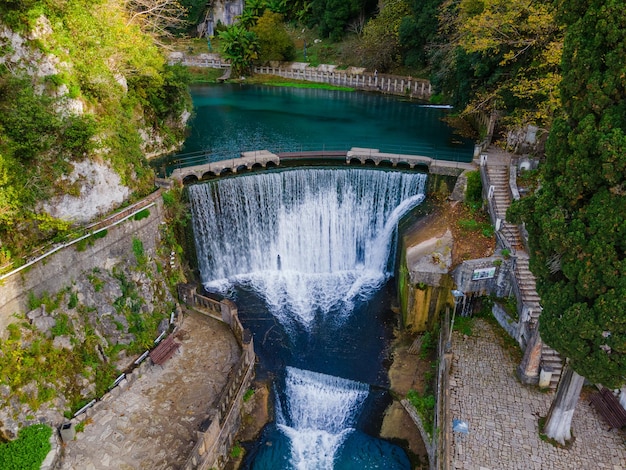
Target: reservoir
(230, 119)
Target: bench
(164, 350)
(609, 408)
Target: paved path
(152, 424)
(502, 415)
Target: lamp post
(458, 295)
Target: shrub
(425, 406)
(142, 214)
(28, 451)
(474, 190)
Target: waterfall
(313, 244)
(305, 240)
(319, 412)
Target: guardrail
(109, 221)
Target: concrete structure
(216, 438)
(263, 158)
(389, 84)
(247, 161)
(499, 189)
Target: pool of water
(230, 119)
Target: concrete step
(552, 359)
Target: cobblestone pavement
(503, 416)
(152, 423)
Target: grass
(464, 325)
(273, 80)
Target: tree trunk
(559, 420)
(528, 370)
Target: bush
(474, 190)
(142, 214)
(28, 451)
(425, 406)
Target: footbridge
(259, 159)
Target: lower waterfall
(315, 247)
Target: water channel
(308, 255)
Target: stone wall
(55, 269)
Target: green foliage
(168, 199)
(418, 31)
(73, 302)
(100, 234)
(496, 54)
(83, 243)
(28, 451)
(249, 394)
(122, 82)
(429, 345)
(379, 46)
(425, 406)
(96, 282)
(464, 325)
(575, 221)
(274, 42)
(236, 451)
(240, 47)
(142, 214)
(474, 189)
(50, 303)
(62, 326)
(334, 16)
(139, 253)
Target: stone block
(68, 432)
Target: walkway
(503, 416)
(152, 424)
(498, 167)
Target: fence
(392, 84)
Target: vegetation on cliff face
(79, 82)
(69, 346)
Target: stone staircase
(499, 179)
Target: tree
(380, 45)
(240, 47)
(274, 42)
(500, 54)
(334, 16)
(159, 18)
(576, 221)
(418, 31)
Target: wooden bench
(164, 350)
(609, 407)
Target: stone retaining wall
(55, 268)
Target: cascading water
(313, 244)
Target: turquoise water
(230, 119)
